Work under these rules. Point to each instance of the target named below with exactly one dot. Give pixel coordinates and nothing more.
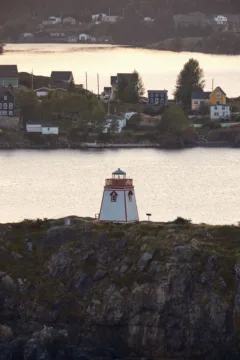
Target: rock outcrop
(170, 291)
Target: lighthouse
(119, 201)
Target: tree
(130, 87)
(71, 86)
(190, 79)
(27, 103)
(173, 120)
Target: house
(107, 90)
(200, 98)
(86, 38)
(111, 18)
(148, 19)
(69, 20)
(7, 101)
(218, 112)
(72, 39)
(217, 97)
(121, 121)
(61, 79)
(41, 92)
(157, 97)
(9, 75)
(221, 20)
(52, 20)
(98, 17)
(57, 34)
(209, 98)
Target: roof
(61, 75)
(218, 87)
(119, 172)
(196, 95)
(10, 71)
(157, 91)
(114, 117)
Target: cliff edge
(155, 290)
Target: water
(159, 69)
(201, 184)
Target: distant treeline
(11, 9)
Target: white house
(111, 18)
(221, 20)
(86, 37)
(98, 17)
(121, 121)
(52, 20)
(69, 20)
(148, 19)
(220, 112)
(44, 91)
(129, 115)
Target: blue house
(157, 97)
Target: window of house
(218, 94)
(5, 97)
(218, 102)
(10, 113)
(223, 113)
(195, 102)
(4, 113)
(0, 106)
(113, 196)
(5, 105)
(215, 107)
(10, 105)
(156, 101)
(130, 195)
(223, 107)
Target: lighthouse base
(122, 210)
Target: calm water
(159, 69)
(201, 184)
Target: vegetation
(130, 89)
(190, 79)
(173, 120)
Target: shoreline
(149, 47)
(211, 144)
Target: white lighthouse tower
(119, 201)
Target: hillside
(83, 8)
(86, 291)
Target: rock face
(141, 290)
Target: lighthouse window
(113, 196)
(130, 194)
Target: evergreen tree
(190, 79)
(130, 89)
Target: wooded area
(13, 9)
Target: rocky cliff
(167, 291)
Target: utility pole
(32, 79)
(86, 81)
(98, 84)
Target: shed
(50, 130)
(34, 128)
